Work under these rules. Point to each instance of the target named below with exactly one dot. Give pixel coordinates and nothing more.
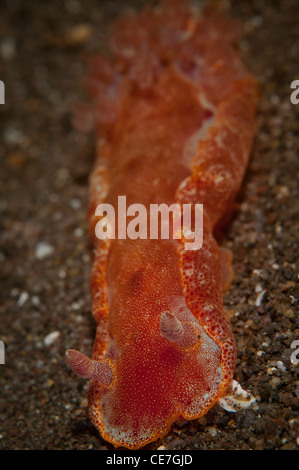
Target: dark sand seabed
(44, 249)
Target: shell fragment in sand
(236, 398)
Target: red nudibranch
(173, 109)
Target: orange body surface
(173, 108)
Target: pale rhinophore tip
(182, 333)
(87, 368)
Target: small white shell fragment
(213, 431)
(258, 272)
(51, 338)
(22, 299)
(236, 398)
(259, 298)
(35, 300)
(43, 249)
(75, 203)
(258, 288)
(281, 366)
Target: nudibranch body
(174, 110)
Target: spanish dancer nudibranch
(173, 108)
